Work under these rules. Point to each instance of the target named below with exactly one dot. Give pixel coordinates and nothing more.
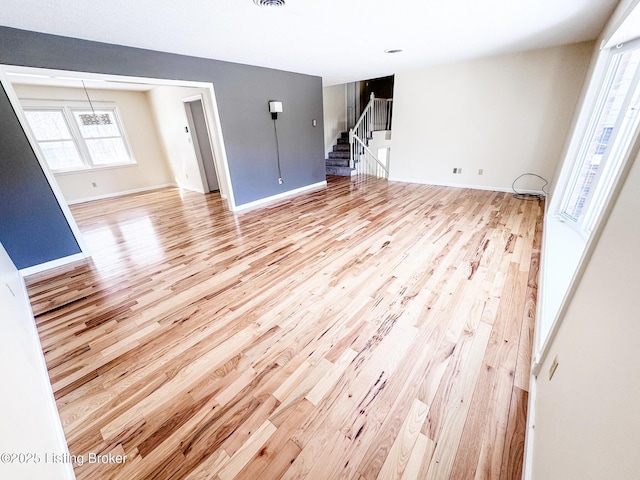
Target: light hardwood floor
(368, 330)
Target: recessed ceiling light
(269, 3)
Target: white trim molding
(122, 193)
(25, 272)
(472, 187)
(280, 196)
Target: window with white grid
(612, 129)
(74, 139)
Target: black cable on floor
(529, 196)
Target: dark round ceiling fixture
(269, 3)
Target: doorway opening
(167, 112)
(201, 141)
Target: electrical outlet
(480, 171)
(455, 170)
(280, 181)
(459, 170)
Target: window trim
(68, 109)
(589, 218)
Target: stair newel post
(372, 114)
(351, 148)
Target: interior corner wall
(242, 95)
(151, 167)
(507, 115)
(587, 417)
(334, 101)
(33, 228)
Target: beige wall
(151, 169)
(584, 423)
(335, 114)
(507, 115)
(587, 418)
(169, 110)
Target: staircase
(338, 161)
(351, 154)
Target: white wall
(334, 104)
(584, 423)
(29, 420)
(151, 170)
(587, 418)
(168, 107)
(564, 247)
(507, 115)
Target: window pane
(48, 125)
(598, 144)
(97, 131)
(106, 151)
(61, 155)
(99, 144)
(54, 138)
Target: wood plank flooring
(368, 330)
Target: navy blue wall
(242, 93)
(33, 229)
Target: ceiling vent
(269, 3)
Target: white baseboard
(120, 194)
(461, 185)
(25, 272)
(280, 196)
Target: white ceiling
(339, 40)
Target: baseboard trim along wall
(120, 194)
(274, 198)
(25, 272)
(472, 187)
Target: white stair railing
(367, 162)
(375, 117)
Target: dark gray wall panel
(33, 229)
(242, 93)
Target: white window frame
(614, 157)
(68, 109)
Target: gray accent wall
(242, 95)
(33, 228)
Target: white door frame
(211, 115)
(212, 143)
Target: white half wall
(151, 169)
(507, 115)
(334, 105)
